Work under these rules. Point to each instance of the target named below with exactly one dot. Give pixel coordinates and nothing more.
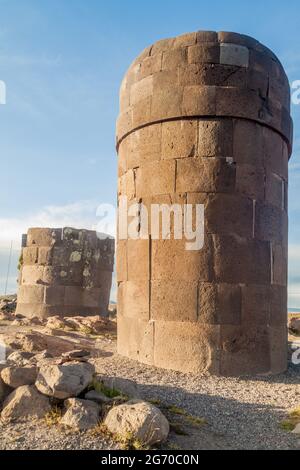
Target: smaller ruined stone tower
(64, 272)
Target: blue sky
(63, 61)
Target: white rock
(140, 419)
(25, 402)
(81, 414)
(297, 429)
(64, 380)
(19, 358)
(17, 376)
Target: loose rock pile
(294, 325)
(34, 385)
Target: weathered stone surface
(19, 358)
(64, 381)
(207, 123)
(143, 421)
(126, 387)
(81, 414)
(97, 397)
(15, 377)
(294, 325)
(66, 271)
(25, 402)
(193, 341)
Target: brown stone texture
(65, 272)
(205, 119)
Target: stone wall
(205, 118)
(65, 272)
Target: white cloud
(80, 214)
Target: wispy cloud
(80, 214)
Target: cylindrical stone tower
(205, 118)
(65, 272)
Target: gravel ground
(241, 413)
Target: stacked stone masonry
(65, 272)
(205, 118)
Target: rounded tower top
(206, 74)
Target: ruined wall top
(205, 74)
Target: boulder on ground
(5, 390)
(55, 323)
(97, 397)
(19, 358)
(119, 385)
(294, 325)
(15, 377)
(139, 419)
(81, 414)
(25, 402)
(297, 429)
(64, 380)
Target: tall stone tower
(205, 118)
(65, 272)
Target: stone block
(135, 339)
(174, 300)
(234, 54)
(229, 214)
(239, 260)
(30, 255)
(141, 90)
(121, 261)
(278, 337)
(32, 274)
(275, 190)
(248, 143)
(73, 295)
(133, 299)
(206, 36)
(219, 303)
(92, 297)
(54, 295)
(256, 301)
(240, 102)
(150, 65)
(124, 124)
(205, 175)
(45, 255)
(259, 82)
(126, 184)
(184, 40)
(245, 350)
(43, 236)
(279, 257)
(171, 261)
(215, 138)
(236, 38)
(212, 75)
(269, 222)
(204, 53)
(250, 181)
(138, 261)
(31, 294)
(162, 183)
(162, 45)
(275, 155)
(186, 347)
(141, 113)
(174, 58)
(199, 101)
(144, 146)
(179, 139)
(278, 305)
(167, 103)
